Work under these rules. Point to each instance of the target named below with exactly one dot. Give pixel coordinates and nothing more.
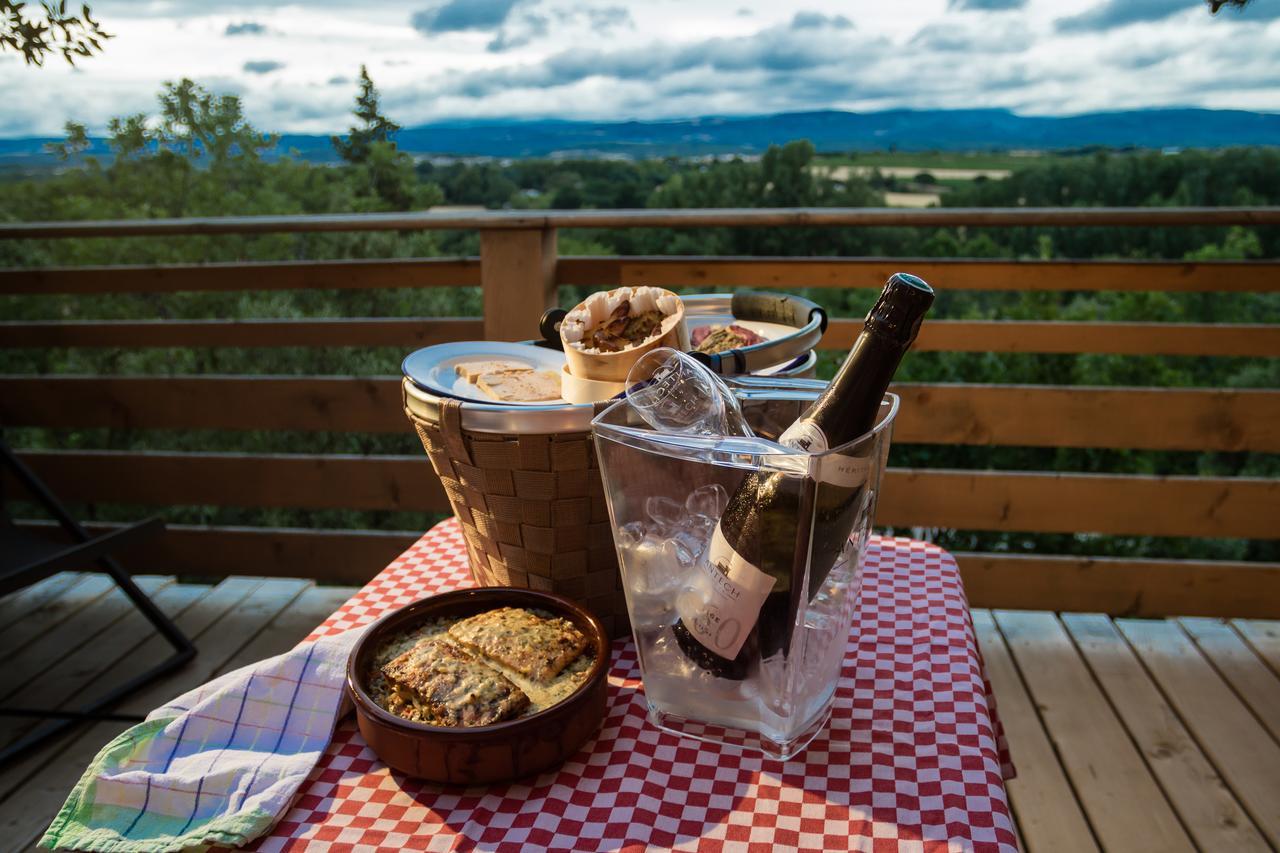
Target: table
(914, 758)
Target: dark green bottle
(761, 542)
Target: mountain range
(830, 130)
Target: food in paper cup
(609, 330)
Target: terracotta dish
(480, 754)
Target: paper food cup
(614, 366)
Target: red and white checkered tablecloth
(913, 760)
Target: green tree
(52, 31)
(373, 128)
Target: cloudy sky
(294, 64)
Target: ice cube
(664, 511)
(689, 545)
(631, 534)
(656, 566)
(707, 501)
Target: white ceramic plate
(433, 368)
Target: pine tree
(373, 127)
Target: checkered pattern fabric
(913, 759)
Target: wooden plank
(1263, 637)
(324, 332)
(347, 556)
(774, 273)
(970, 500)
(1010, 336)
(1245, 756)
(73, 681)
(32, 790)
(1056, 416)
(1049, 817)
(517, 281)
(357, 404)
(291, 625)
(1034, 415)
(1207, 808)
(1254, 682)
(37, 658)
(1081, 503)
(1125, 806)
(650, 218)
(229, 479)
(269, 275)
(47, 616)
(17, 605)
(1121, 586)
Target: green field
(935, 159)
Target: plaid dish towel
(217, 765)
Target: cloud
(979, 40)
(773, 49)
(1111, 14)
(606, 18)
(531, 26)
(986, 5)
(262, 66)
(817, 21)
(458, 15)
(245, 28)
(339, 81)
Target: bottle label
(804, 435)
(725, 608)
(838, 469)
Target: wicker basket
(531, 506)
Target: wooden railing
(519, 271)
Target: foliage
(197, 156)
(374, 128)
(54, 32)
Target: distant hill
(905, 130)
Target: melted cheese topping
(542, 695)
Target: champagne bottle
(746, 600)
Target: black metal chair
(27, 557)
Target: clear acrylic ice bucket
(665, 493)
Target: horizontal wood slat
(871, 273)
(1122, 586)
(227, 479)
(331, 556)
(1081, 503)
(266, 275)
(1050, 416)
(650, 218)
(346, 332)
(1011, 336)
(969, 500)
(1056, 416)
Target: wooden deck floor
(89, 639)
(1138, 734)
(1128, 734)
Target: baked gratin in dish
(480, 685)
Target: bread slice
(521, 386)
(451, 688)
(532, 645)
(473, 370)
